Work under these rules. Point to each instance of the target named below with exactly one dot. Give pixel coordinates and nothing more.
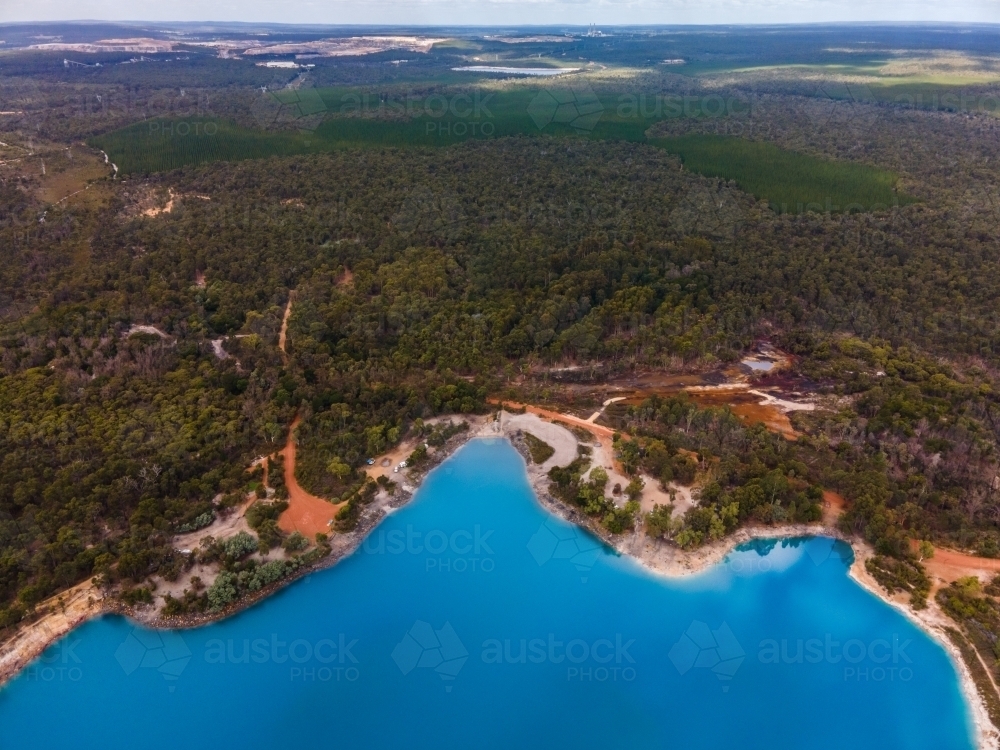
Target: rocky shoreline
(664, 559)
(342, 546)
(657, 556)
(31, 640)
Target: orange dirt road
(833, 507)
(283, 333)
(597, 430)
(306, 513)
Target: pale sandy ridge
(63, 612)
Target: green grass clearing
(789, 181)
(335, 119)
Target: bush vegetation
(540, 450)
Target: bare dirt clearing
(306, 513)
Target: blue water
(401, 647)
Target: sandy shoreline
(663, 559)
(67, 611)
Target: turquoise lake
(473, 619)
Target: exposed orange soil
(283, 334)
(306, 513)
(833, 507)
(346, 279)
(947, 565)
(598, 430)
(747, 408)
(737, 397)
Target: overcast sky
(506, 12)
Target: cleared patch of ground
(306, 513)
(560, 439)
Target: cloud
(486, 12)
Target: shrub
(660, 522)
(540, 450)
(240, 545)
(139, 595)
(295, 542)
(260, 512)
(223, 592)
(205, 519)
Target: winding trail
(306, 513)
(283, 334)
(603, 453)
(597, 430)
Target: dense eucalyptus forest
(140, 368)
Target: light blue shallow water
(399, 646)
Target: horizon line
(127, 22)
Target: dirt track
(283, 334)
(306, 513)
